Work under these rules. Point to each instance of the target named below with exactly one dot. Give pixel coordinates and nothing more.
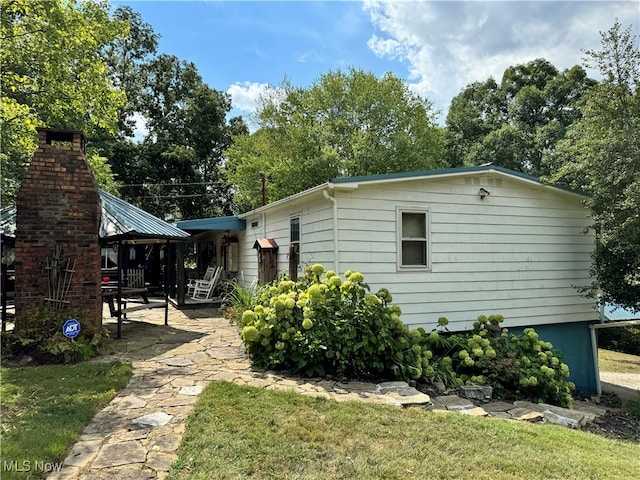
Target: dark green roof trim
(216, 223)
(450, 171)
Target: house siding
(519, 252)
(316, 234)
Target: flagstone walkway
(136, 436)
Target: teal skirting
(574, 339)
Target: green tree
(175, 171)
(53, 75)
(345, 124)
(601, 155)
(128, 58)
(516, 123)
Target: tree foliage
(601, 155)
(345, 124)
(175, 171)
(515, 123)
(128, 57)
(53, 75)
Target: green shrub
(325, 324)
(38, 334)
(237, 299)
(516, 366)
(620, 339)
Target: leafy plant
(620, 339)
(516, 366)
(325, 324)
(38, 334)
(237, 299)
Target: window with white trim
(413, 238)
(294, 247)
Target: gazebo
(122, 225)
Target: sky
(436, 47)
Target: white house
(453, 243)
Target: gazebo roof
(121, 221)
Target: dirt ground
(616, 424)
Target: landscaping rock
(154, 419)
(123, 453)
(526, 415)
(559, 415)
(495, 407)
(385, 387)
(474, 412)
(454, 402)
(476, 392)
(191, 390)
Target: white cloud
(448, 44)
(245, 95)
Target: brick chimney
(58, 220)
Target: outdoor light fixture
(483, 192)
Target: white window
(413, 238)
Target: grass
(45, 409)
(610, 361)
(237, 432)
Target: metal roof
(217, 223)
(448, 172)
(613, 313)
(123, 221)
(8, 221)
(120, 221)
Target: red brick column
(58, 214)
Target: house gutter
(594, 345)
(325, 194)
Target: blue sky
(437, 47)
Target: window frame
(426, 211)
(292, 242)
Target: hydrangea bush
(326, 324)
(516, 366)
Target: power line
(164, 184)
(176, 196)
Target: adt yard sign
(71, 328)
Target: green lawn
(237, 432)
(610, 361)
(45, 409)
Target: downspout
(596, 363)
(326, 195)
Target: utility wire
(165, 184)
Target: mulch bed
(616, 424)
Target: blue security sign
(71, 328)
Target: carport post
(119, 296)
(168, 265)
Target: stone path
(137, 435)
